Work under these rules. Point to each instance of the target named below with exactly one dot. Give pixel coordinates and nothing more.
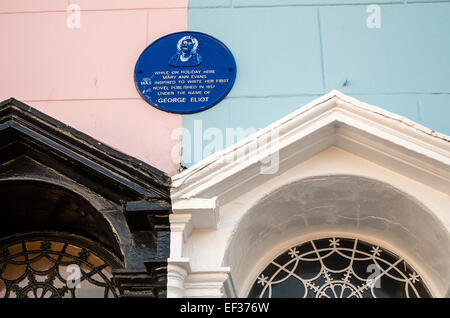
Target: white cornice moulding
(334, 119)
(204, 212)
(181, 223)
(207, 283)
(178, 268)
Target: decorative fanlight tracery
(338, 268)
(55, 265)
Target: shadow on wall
(29, 206)
(353, 205)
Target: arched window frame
(378, 247)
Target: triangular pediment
(334, 119)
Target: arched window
(338, 268)
(55, 265)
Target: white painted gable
(225, 224)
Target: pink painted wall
(84, 77)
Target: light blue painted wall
(288, 52)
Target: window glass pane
(338, 268)
(44, 267)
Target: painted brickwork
(84, 76)
(289, 52)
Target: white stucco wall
(345, 169)
(247, 244)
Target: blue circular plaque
(185, 72)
